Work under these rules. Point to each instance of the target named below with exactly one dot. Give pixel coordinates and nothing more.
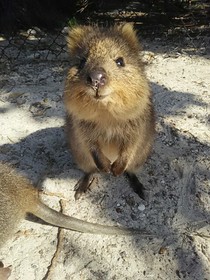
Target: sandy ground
(176, 177)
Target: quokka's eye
(120, 62)
(82, 63)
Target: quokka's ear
(76, 36)
(129, 34)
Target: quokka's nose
(97, 77)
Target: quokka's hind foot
(135, 184)
(83, 185)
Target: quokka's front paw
(101, 161)
(118, 167)
(105, 165)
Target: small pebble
(141, 207)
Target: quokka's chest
(112, 134)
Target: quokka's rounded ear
(129, 34)
(76, 36)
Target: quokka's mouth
(98, 92)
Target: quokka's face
(106, 63)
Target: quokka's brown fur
(110, 115)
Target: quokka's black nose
(97, 77)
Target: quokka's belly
(111, 151)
